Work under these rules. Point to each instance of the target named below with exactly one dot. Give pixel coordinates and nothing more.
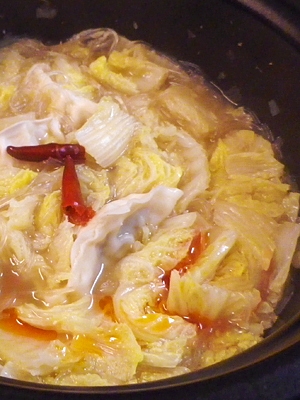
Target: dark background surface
(251, 51)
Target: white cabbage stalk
(107, 132)
(112, 232)
(197, 169)
(3, 230)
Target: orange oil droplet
(85, 344)
(107, 307)
(10, 322)
(200, 321)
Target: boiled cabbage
(127, 74)
(181, 104)
(194, 224)
(106, 134)
(208, 301)
(49, 214)
(136, 308)
(196, 176)
(143, 169)
(112, 232)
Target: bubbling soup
(148, 227)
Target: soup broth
(148, 228)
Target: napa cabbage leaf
(164, 251)
(182, 147)
(115, 347)
(143, 169)
(26, 262)
(30, 359)
(205, 267)
(244, 171)
(106, 134)
(11, 62)
(255, 232)
(165, 353)
(181, 104)
(20, 213)
(69, 75)
(136, 307)
(60, 262)
(286, 239)
(125, 73)
(49, 213)
(187, 297)
(95, 186)
(156, 374)
(78, 317)
(51, 361)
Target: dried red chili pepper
(72, 201)
(43, 152)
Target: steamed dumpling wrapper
(28, 133)
(113, 231)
